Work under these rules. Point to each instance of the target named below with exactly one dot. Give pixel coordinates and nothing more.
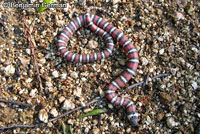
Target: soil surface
(166, 34)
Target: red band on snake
(108, 32)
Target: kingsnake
(108, 32)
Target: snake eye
(134, 121)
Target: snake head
(134, 121)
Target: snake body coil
(108, 32)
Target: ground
(166, 35)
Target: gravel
(166, 35)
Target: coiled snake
(108, 32)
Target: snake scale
(108, 33)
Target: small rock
(170, 122)
(92, 44)
(128, 130)
(66, 9)
(182, 3)
(32, 1)
(115, 1)
(116, 72)
(180, 16)
(55, 74)
(144, 61)
(101, 92)
(33, 92)
(9, 70)
(95, 121)
(148, 121)
(165, 98)
(160, 116)
(161, 52)
(82, 2)
(63, 76)
(86, 110)
(194, 85)
(83, 79)
(95, 131)
(171, 49)
(110, 106)
(159, 12)
(42, 60)
(67, 105)
(84, 41)
(70, 121)
(179, 132)
(74, 75)
(61, 99)
(190, 10)
(54, 112)
(24, 61)
(43, 115)
(29, 80)
(28, 51)
(78, 92)
(122, 62)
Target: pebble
(55, 74)
(67, 105)
(116, 72)
(128, 130)
(54, 112)
(182, 3)
(74, 75)
(110, 106)
(83, 79)
(9, 70)
(29, 80)
(95, 121)
(70, 121)
(144, 61)
(82, 2)
(180, 16)
(92, 44)
(194, 85)
(43, 115)
(179, 132)
(42, 60)
(95, 131)
(115, 1)
(161, 52)
(190, 10)
(66, 9)
(78, 92)
(61, 99)
(159, 12)
(86, 110)
(165, 98)
(160, 116)
(33, 92)
(148, 121)
(122, 62)
(170, 122)
(28, 51)
(63, 76)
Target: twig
(98, 99)
(53, 119)
(15, 126)
(16, 103)
(31, 45)
(142, 82)
(75, 109)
